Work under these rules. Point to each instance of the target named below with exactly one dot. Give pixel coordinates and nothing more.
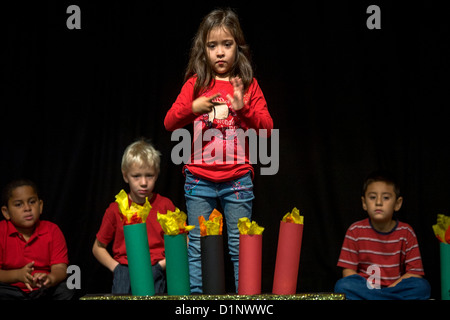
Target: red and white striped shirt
(395, 252)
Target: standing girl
(219, 93)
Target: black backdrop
(346, 100)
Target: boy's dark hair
(381, 175)
(9, 188)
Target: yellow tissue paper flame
(132, 214)
(212, 226)
(250, 228)
(293, 217)
(174, 222)
(441, 229)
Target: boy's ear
(398, 203)
(124, 175)
(363, 202)
(5, 212)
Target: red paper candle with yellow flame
(288, 253)
(250, 257)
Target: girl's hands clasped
(205, 104)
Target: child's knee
(349, 283)
(422, 288)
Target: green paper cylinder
(139, 262)
(177, 265)
(445, 271)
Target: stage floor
(199, 297)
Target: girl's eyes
(227, 44)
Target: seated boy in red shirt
(33, 252)
(140, 169)
(380, 255)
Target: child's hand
(162, 264)
(203, 104)
(237, 100)
(25, 275)
(42, 280)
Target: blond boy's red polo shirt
(46, 247)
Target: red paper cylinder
(288, 258)
(250, 258)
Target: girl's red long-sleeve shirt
(218, 155)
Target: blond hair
(141, 153)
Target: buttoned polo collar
(39, 230)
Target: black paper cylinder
(213, 272)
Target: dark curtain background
(346, 100)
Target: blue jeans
(201, 195)
(122, 284)
(355, 288)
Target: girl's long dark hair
(198, 62)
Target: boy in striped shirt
(380, 255)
